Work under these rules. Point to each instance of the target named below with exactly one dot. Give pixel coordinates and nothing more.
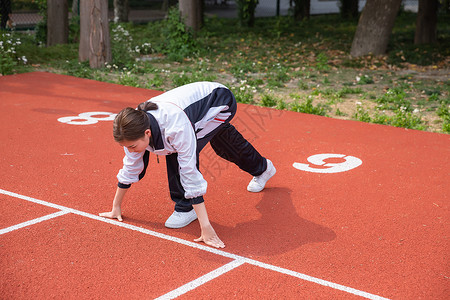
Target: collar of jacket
(156, 139)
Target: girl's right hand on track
(114, 214)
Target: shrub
(307, 107)
(246, 11)
(444, 113)
(179, 39)
(8, 53)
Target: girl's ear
(148, 133)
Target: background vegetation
(301, 66)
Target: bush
(8, 53)
(180, 42)
(307, 107)
(121, 49)
(246, 12)
(444, 113)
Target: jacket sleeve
(184, 141)
(133, 168)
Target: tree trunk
(302, 9)
(57, 22)
(5, 12)
(121, 10)
(94, 33)
(192, 13)
(349, 8)
(75, 8)
(165, 5)
(375, 27)
(426, 24)
(83, 49)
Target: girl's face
(137, 145)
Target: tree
(246, 11)
(57, 22)
(5, 11)
(121, 10)
(426, 24)
(302, 9)
(75, 7)
(349, 8)
(192, 13)
(375, 27)
(94, 33)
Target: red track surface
(379, 229)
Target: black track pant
(229, 144)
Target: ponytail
(148, 105)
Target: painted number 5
(318, 164)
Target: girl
(179, 124)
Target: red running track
(372, 223)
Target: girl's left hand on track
(112, 215)
(209, 237)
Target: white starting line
(237, 260)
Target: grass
(302, 66)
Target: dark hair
(130, 124)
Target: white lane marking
(319, 281)
(32, 222)
(200, 247)
(201, 280)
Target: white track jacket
(184, 115)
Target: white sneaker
(181, 219)
(259, 182)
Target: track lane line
(201, 247)
(201, 280)
(32, 222)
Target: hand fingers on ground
(119, 218)
(200, 239)
(105, 214)
(216, 243)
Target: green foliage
(25, 5)
(41, 27)
(244, 93)
(79, 69)
(401, 118)
(179, 39)
(121, 46)
(246, 11)
(339, 113)
(9, 58)
(362, 115)
(308, 107)
(74, 29)
(7, 65)
(185, 78)
(394, 99)
(278, 76)
(403, 50)
(268, 100)
(444, 113)
(275, 57)
(403, 115)
(128, 78)
(322, 62)
(364, 79)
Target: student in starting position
(178, 124)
